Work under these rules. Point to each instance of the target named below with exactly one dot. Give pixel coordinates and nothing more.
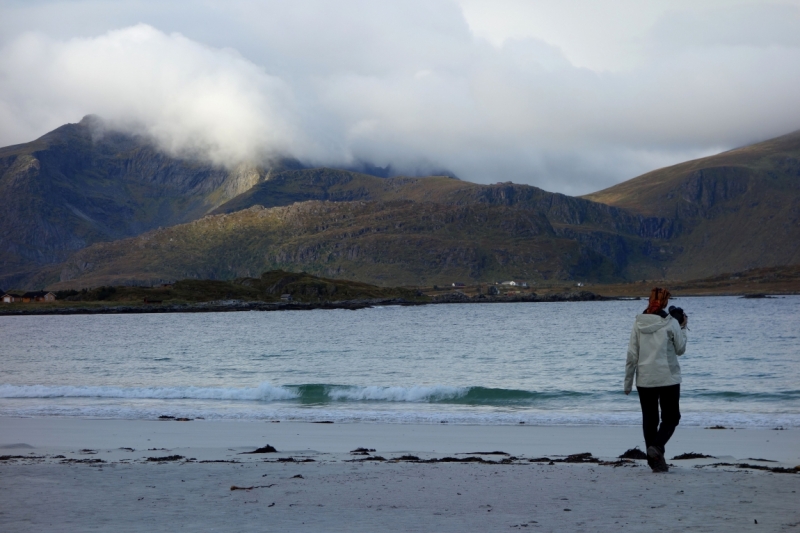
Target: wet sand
(105, 479)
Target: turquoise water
(538, 363)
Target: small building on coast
(514, 283)
(28, 297)
(38, 296)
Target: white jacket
(652, 353)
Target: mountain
(85, 183)
(388, 231)
(730, 212)
(81, 184)
(89, 206)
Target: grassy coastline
(269, 292)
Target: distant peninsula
(275, 290)
(278, 290)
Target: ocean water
(487, 364)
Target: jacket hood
(651, 323)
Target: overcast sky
(568, 95)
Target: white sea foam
(397, 394)
(264, 392)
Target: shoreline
(57, 434)
(118, 475)
(227, 306)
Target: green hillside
(733, 211)
(268, 287)
(387, 243)
(326, 184)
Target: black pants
(669, 398)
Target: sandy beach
(69, 474)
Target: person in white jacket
(656, 342)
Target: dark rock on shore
(633, 453)
(362, 451)
(774, 469)
(413, 458)
(166, 458)
(82, 461)
(578, 458)
(265, 449)
(692, 455)
(487, 453)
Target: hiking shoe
(655, 458)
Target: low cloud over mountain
(489, 91)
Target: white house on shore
(512, 283)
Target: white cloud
(563, 95)
(194, 100)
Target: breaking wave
(304, 394)
(321, 394)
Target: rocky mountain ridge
(732, 211)
(81, 184)
(399, 241)
(92, 206)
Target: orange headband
(658, 300)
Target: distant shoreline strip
(238, 305)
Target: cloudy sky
(568, 95)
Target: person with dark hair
(656, 341)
